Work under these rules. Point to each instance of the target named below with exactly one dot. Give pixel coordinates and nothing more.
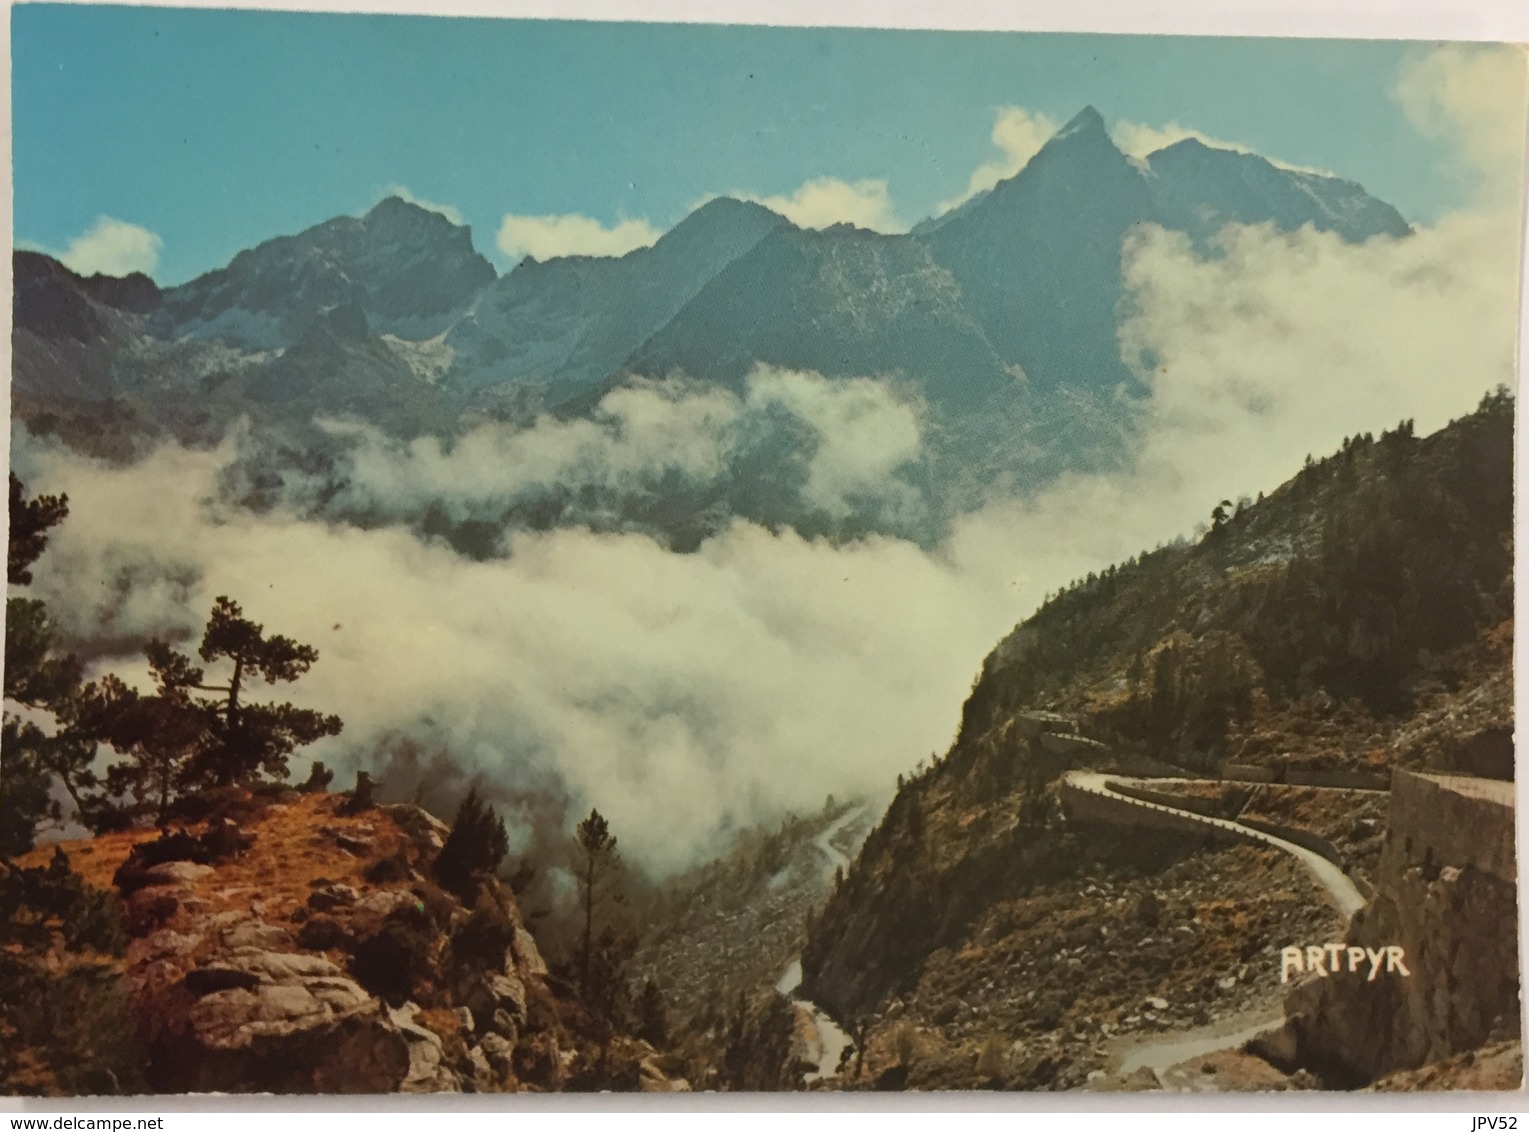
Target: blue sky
(213, 130)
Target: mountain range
(1000, 315)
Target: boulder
(321, 933)
(490, 993)
(483, 1072)
(251, 932)
(305, 1033)
(354, 844)
(174, 872)
(504, 1025)
(425, 829)
(381, 904)
(282, 967)
(652, 1079)
(527, 955)
(538, 1061)
(332, 896)
(428, 1072)
(239, 1017)
(500, 1052)
(201, 981)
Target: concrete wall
(1210, 807)
(1033, 723)
(1087, 806)
(1239, 772)
(1445, 891)
(1056, 744)
(1318, 845)
(1294, 776)
(1439, 819)
(1144, 766)
(1342, 779)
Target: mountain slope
(1198, 189)
(842, 302)
(67, 329)
(569, 322)
(1359, 618)
(409, 269)
(1038, 257)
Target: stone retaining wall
(1088, 806)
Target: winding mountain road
(1334, 881)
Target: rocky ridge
(308, 949)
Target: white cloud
(859, 432)
(681, 693)
(636, 436)
(1473, 98)
(113, 247)
(450, 212)
(1018, 135)
(548, 237)
(826, 201)
(865, 433)
(1138, 140)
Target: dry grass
(292, 852)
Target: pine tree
(652, 1017)
(248, 739)
(37, 676)
(242, 740)
(598, 849)
(160, 734)
(30, 522)
(474, 849)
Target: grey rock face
(406, 269)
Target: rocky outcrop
(318, 956)
(1446, 894)
(267, 1021)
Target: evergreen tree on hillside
(240, 740)
(608, 940)
(474, 849)
(32, 756)
(246, 738)
(160, 734)
(30, 522)
(652, 1017)
(597, 849)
